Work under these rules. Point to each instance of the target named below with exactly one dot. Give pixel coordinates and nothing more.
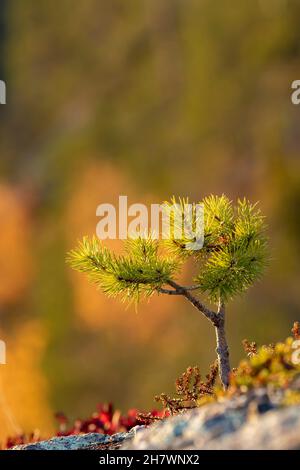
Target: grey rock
(253, 421)
(250, 421)
(277, 430)
(90, 441)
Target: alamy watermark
(2, 92)
(2, 352)
(295, 96)
(179, 221)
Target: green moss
(271, 366)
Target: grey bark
(209, 314)
(222, 347)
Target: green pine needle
(233, 257)
(140, 272)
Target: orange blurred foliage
(15, 256)
(24, 405)
(103, 183)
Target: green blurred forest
(146, 98)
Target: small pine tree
(232, 258)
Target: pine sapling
(232, 258)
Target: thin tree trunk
(218, 321)
(222, 347)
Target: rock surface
(246, 422)
(91, 441)
(252, 421)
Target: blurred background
(146, 98)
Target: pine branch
(176, 292)
(235, 249)
(138, 273)
(209, 314)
